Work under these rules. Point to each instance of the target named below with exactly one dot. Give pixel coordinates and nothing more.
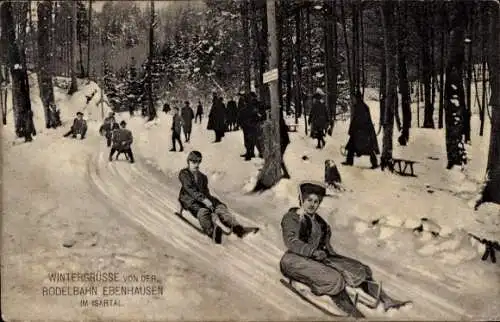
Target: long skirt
(327, 277)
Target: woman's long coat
(187, 118)
(362, 136)
(319, 119)
(217, 117)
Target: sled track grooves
(252, 263)
(146, 201)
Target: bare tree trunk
(44, 64)
(426, 68)
(403, 76)
(73, 66)
(89, 39)
(382, 94)
(484, 36)
(271, 173)
(264, 50)
(151, 106)
(298, 64)
(349, 66)
(255, 43)
(454, 89)
(468, 83)
(246, 45)
(331, 59)
(491, 192)
(79, 33)
(441, 66)
(21, 96)
(362, 57)
(390, 46)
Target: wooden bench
(292, 127)
(402, 165)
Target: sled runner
(305, 294)
(328, 307)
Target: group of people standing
(362, 136)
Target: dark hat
(123, 123)
(317, 96)
(186, 102)
(312, 187)
(194, 156)
(79, 113)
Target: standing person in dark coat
(176, 130)
(362, 136)
(217, 118)
(187, 115)
(284, 142)
(199, 112)
(196, 198)
(79, 127)
(122, 141)
(232, 115)
(108, 127)
(248, 118)
(319, 120)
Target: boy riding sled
(213, 215)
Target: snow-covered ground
(120, 217)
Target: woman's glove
(319, 255)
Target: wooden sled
(327, 306)
(219, 229)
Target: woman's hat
(308, 187)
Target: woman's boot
(343, 301)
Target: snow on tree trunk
(44, 64)
(20, 91)
(403, 77)
(73, 43)
(454, 94)
(271, 173)
(491, 192)
(391, 97)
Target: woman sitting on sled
(311, 260)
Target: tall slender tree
(246, 45)
(491, 191)
(454, 94)
(44, 11)
(271, 173)
(73, 87)
(89, 38)
(404, 87)
(151, 107)
(20, 91)
(330, 20)
(391, 97)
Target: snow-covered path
(148, 197)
